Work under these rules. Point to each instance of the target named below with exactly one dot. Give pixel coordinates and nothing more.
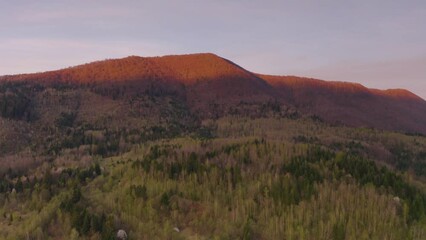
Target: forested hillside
(251, 179)
(210, 87)
(195, 147)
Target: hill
(353, 104)
(196, 147)
(211, 86)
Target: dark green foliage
(362, 170)
(288, 191)
(81, 219)
(189, 166)
(158, 131)
(14, 106)
(403, 157)
(274, 106)
(246, 160)
(211, 154)
(156, 152)
(317, 154)
(165, 199)
(421, 155)
(19, 187)
(299, 167)
(305, 139)
(97, 169)
(47, 179)
(205, 132)
(66, 119)
(85, 226)
(235, 176)
(15, 101)
(366, 171)
(76, 195)
(193, 165)
(108, 232)
(420, 164)
(317, 119)
(70, 203)
(420, 168)
(417, 206)
(5, 186)
(175, 170)
(75, 138)
(339, 231)
(300, 184)
(87, 173)
(415, 134)
(102, 149)
(109, 145)
(96, 223)
(139, 191)
(351, 147)
(145, 165)
(228, 149)
(247, 230)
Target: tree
(19, 186)
(339, 231)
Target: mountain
(177, 147)
(210, 86)
(353, 104)
(202, 79)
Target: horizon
(379, 45)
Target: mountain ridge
(398, 92)
(212, 86)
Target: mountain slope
(202, 79)
(210, 86)
(353, 104)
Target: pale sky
(379, 43)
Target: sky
(378, 43)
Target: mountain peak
(188, 69)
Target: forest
(242, 180)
